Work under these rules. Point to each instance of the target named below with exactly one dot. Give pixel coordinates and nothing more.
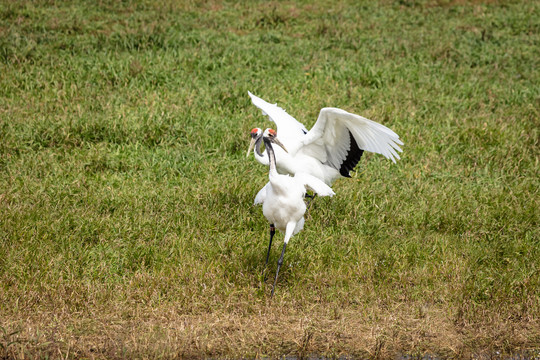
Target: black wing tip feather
(353, 157)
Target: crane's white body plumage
(282, 197)
(283, 200)
(323, 151)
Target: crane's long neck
(271, 157)
(261, 157)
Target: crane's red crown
(254, 131)
(272, 132)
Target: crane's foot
(280, 262)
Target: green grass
(127, 227)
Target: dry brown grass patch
(135, 331)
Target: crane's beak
(277, 142)
(251, 146)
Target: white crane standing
(333, 146)
(283, 197)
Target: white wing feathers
(332, 126)
(261, 195)
(309, 181)
(329, 141)
(286, 125)
(314, 184)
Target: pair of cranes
(315, 158)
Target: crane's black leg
(279, 263)
(272, 232)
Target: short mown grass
(126, 221)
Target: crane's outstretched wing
(287, 127)
(314, 184)
(261, 195)
(344, 137)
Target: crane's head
(256, 137)
(256, 133)
(271, 135)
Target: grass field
(126, 221)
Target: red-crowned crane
(333, 146)
(282, 198)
